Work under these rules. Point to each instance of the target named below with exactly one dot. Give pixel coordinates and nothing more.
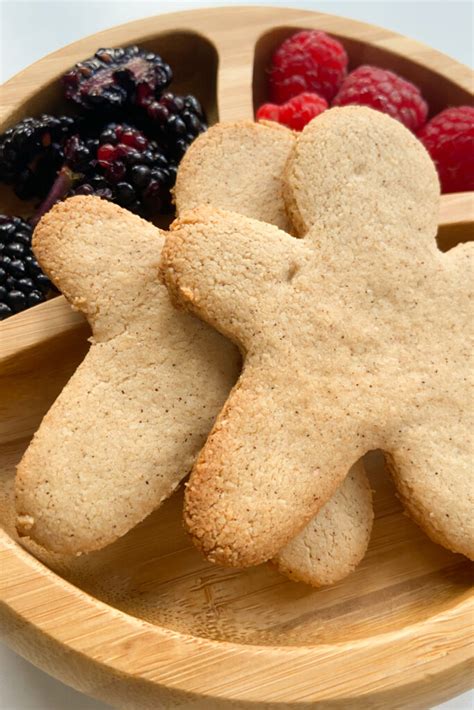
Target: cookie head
(237, 166)
(349, 171)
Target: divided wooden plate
(147, 623)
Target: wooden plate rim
(128, 636)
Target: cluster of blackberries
(124, 146)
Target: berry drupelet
(22, 283)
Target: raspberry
(449, 139)
(384, 91)
(308, 61)
(296, 113)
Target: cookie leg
(261, 477)
(333, 543)
(440, 502)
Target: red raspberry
(296, 113)
(384, 91)
(449, 139)
(307, 61)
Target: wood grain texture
(146, 622)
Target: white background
(31, 29)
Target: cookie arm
(99, 256)
(227, 269)
(435, 482)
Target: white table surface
(30, 29)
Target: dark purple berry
(5, 261)
(108, 137)
(15, 249)
(140, 176)
(97, 182)
(105, 193)
(158, 113)
(119, 78)
(5, 310)
(16, 268)
(33, 298)
(32, 265)
(125, 194)
(176, 125)
(10, 283)
(116, 172)
(17, 301)
(191, 103)
(84, 190)
(192, 122)
(42, 282)
(25, 285)
(22, 283)
(181, 148)
(31, 153)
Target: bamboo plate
(146, 622)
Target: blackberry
(31, 153)
(121, 165)
(128, 169)
(117, 79)
(175, 121)
(22, 283)
(131, 161)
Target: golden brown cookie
(126, 428)
(358, 336)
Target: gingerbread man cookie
(127, 426)
(240, 166)
(355, 337)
